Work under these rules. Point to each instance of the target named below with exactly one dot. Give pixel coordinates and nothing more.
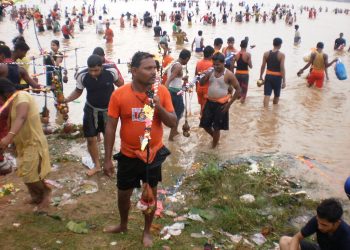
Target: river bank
(205, 202)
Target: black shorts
(130, 171)
(307, 245)
(89, 128)
(213, 117)
(273, 83)
(178, 104)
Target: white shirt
(99, 26)
(197, 41)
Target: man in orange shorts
(202, 66)
(319, 63)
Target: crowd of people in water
(155, 96)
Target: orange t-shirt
(127, 104)
(203, 65)
(109, 35)
(37, 15)
(54, 14)
(227, 49)
(166, 61)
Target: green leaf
(206, 214)
(55, 217)
(80, 228)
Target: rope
(45, 105)
(64, 60)
(37, 39)
(52, 66)
(9, 100)
(51, 97)
(76, 60)
(190, 95)
(34, 70)
(186, 106)
(147, 163)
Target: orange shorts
(316, 77)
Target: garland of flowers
(62, 107)
(147, 201)
(149, 113)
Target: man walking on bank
(128, 104)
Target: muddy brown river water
(307, 121)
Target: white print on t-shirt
(137, 115)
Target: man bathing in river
(319, 64)
(275, 77)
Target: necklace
(142, 100)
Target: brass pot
(44, 120)
(45, 112)
(186, 133)
(260, 83)
(47, 130)
(68, 128)
(186, 127)
(35, 79)
(65, 117)
(65, 78)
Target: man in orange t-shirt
(167, 59)
(108, 34)
(134, 165)
(202, 66)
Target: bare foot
(31, 201)
(115, 229)
(93, 171)
(45, 202)
(172, 135)
(147, 240)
